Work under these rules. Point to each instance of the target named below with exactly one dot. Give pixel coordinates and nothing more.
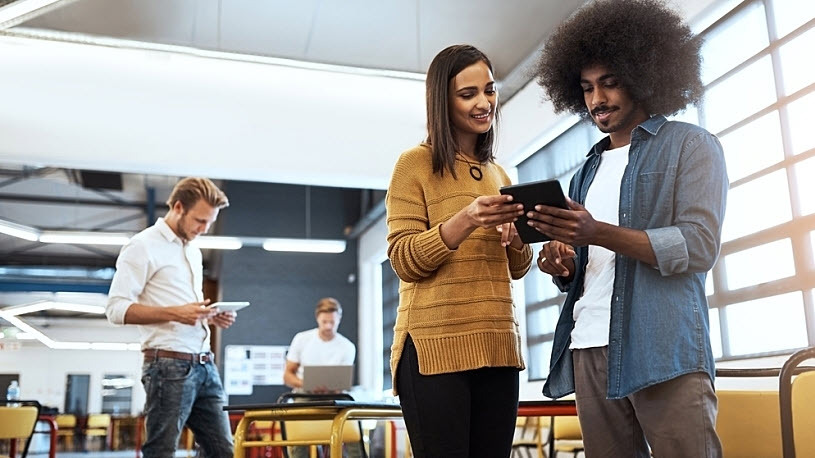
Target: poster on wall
(248, 365)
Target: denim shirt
(674, 188)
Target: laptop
(332, 378)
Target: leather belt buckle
(202, 358)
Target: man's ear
(178, 207)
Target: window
(77, 387)
(759, 97)
(390, 302)
(117, 392)
(769, 155)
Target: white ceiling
(198, 87)
(195, 87)
(394, 34)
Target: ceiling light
(85, 238)
(214, 242)
(52, 305)
(27, 332)
(19, 231)
(25, 327)
(18, 12)
(304, 245)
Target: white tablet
(228, 306)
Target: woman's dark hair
(645, 43)
(445, 66)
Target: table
(548, 408)
(338, 411)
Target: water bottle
(13, 393)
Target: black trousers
(461, 414)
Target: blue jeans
(184, 393)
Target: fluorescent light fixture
(17, 12)
(214, 242)
(25, 327)
(85, 238)
(52, 305)
(27, 332)
(19, 231)
(304, 245)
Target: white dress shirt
(156, 268)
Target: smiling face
(472, 103)
(610, 105)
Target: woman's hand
(485, 212)
(491, 211)
(509, 235)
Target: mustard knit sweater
(455, 304)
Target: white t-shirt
(592, 312)
(308, 349)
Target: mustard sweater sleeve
(415, 249)
(519, 261)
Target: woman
(456, 351)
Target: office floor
(117, 454)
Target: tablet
(545, 192)
(228, 306)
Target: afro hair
(646, 44)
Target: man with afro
(642, 231)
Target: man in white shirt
(158, 286)
(321, 346)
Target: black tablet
(545, 192)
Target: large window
(759, 100)
(390, 302)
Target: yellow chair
(566, 435)
(18, 422)
(749, 423)
(98, 425)
(66, 424)
(319, 430)
(797, 398)
(529, 434)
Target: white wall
(43, 371)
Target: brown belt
(152, 354)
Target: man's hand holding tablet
(546, 192)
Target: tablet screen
(228, 306)
(545, 192)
